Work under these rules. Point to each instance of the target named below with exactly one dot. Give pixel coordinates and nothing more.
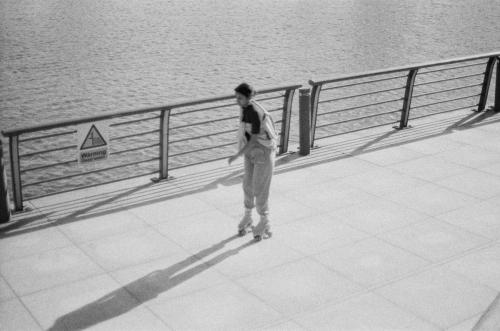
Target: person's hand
(231, 159)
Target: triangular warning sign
(93, 139)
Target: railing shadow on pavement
(144, 289)
(120, 199)
(370, 142)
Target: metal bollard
(305, 121)
(4, 196)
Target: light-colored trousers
(259, 167)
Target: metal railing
(391, 96)
(171, 136)
(161, 139)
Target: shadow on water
(144, 289)
(206, 180)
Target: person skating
(257, 142)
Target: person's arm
(253, 140)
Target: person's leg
(263, 173)
(248, 200)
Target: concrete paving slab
(493, 169)
(381, 182)
(168, 278)
(32, 242)
(133, 247)
(249, 258)
(433, 240)
(342, 168)
(414, 222)
(199, 231)
(435, 145)
(316, 234)
(227, 307)
(6, 292)
(14, 317)
(81, 304)
(330, 195)
(299, 286)
(285, 181)
(378, 216)
(101, 226)
(439, 296)
(429, 168)
(482, 266)
(466, 325)
(288, 325)
(50, 268)
(480, 218)
(470, 156)
(138, 319)
(479, 138)
(170, 209)
(364, 312)
(475, 183)
(394, 155)
(371, 262)
(432, 199)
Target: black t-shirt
(251, 116)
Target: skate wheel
(242, 232)
(257, 238)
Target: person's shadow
(144, 289)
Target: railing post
(486, 84)
(405, 112)
(286, 118)
(4, 193)
(304, 121)
(316, 89)
(164, 141)
(15, 170)
(496, 107)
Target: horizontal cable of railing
(134, 121)
(452, 68)
(402, 69)
(355, 130)
(51, 165)
(445, 101)
(49, 151)
(202, 149)
(359, 106)
(179, 116)
(133, 149)
(444, 112)
(447, 90)
(436, 80)
(359, 118)
(202, 136)
(89, 172)
(449, 79)
(134, 135)
(117, 114)
(47, 136)
(361, 95)
(361, 83)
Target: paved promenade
(376, 230)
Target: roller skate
(245, 224)
(262, 230)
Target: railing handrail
(110, 115)
(403, 68)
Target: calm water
(68, 58)
(80, 57)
